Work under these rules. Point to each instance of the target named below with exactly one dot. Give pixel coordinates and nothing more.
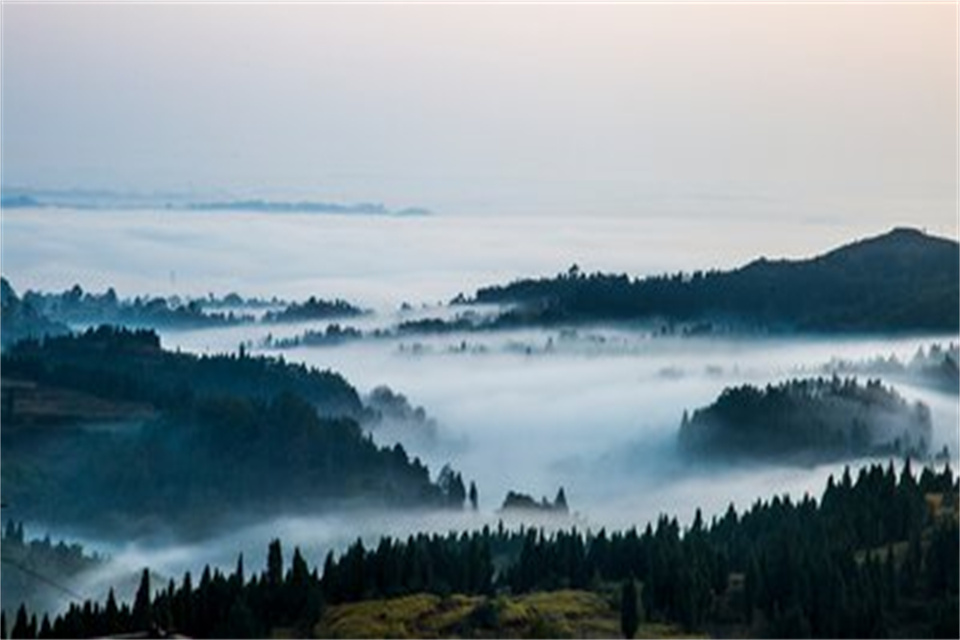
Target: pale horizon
(845, 112)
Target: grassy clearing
(555, 614)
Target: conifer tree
(143, 604)
(629, 616)
(473, 495)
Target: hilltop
(904, 280)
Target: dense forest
(806, 421)
(223, 435)
(901, 281)
(37, 314)
(875, 557)
(130, 365)
(937, 367)
(314, 309)
(21, 319)
(76, 307)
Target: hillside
(904, 280)
(807, 421)
(107, 431)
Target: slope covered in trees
(807, 421)
(229, 435)
(78, 307)
(20, 319)
(904, 280)
(124, 364)
(875, 557)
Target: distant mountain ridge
(904, 280)
(19, 198)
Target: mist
(594, 410)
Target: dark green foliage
(313, 309)
(904, 280)
(808, 420)
(237, 433)
(77, 307)
(523, 502)
(130, 365)
(20, 319)
(629, 615)
(21, 626)
(473, 495)
(781, 569)
(143, 618)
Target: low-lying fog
(599, 421)
(595, 411)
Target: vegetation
(21, 319)
(230, 434)
(901, 281)
(629, 615)
(77, 307)
(388, 408)
(523, 502)
(30, 565)
(935, 368)
(876, 557)
(333, 335)
(807, 420)
(313, 309)
(123, 364)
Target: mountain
(904, 280)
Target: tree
(275, 563)
(21, 624)
(629, 615)
(473, 495)
(142, 604)
(560, 502)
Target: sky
(761, 109)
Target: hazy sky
(845, 110)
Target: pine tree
(111, 614)
(3, 624)
(20, 624)
(629, 616)
(143, 604)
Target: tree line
(903, 280)
(876, 556)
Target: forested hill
(904, 280)
(108, 432)
(130, 365)
(808, 421)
